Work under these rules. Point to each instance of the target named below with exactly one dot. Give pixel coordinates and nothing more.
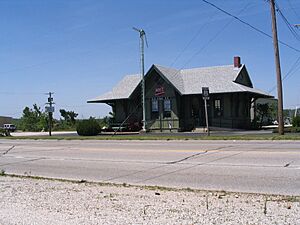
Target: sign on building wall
(159, 91)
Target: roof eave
(105, 100)
(229, 92)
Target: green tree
(33, 119)
(296, 121)
(69, 116)
(265, 113)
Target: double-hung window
(154, 108)
(167, 108)
(217, 108)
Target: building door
(197, 112)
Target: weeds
(2, 172)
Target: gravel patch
(34, 201)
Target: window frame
(218, 112)
(167, 108)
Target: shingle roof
(219, 79)
(122, 90)
(173, 75)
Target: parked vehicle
(9, 127)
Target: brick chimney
(237, 62)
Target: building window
(167, 108)
(217, 108)
(154, 108)
(154, 105)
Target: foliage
(16, 122)
(69, 116)
(33, 119)
(296, 121)
(67, 122)
(4, 132)
(2, 172)
(254, 123)
(88, 127)
(295, 129)
(265, 113)
(104, 122)
(288, 130)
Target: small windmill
(142, 39)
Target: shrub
(296, 121)
(288, 130)
(88, 127)
(1, 132)
(4, 132)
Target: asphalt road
(271, 167)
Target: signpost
(50, 110)
(205, 96)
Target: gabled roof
(172, 75)
(122, 90)
(219, 79)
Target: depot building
(173, 98)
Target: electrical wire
(288, 24)
(294, 68)
(211, 40)
(190, 42)
(207, 43)
(293, 9)
(249, 25)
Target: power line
(251, 26)
(294, 68)
(190, 42)
(207, 43)
(211, 40)
(288, 24)
(293, 9)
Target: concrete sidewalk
(54, 133)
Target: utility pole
(142, 36)
(278, 70)
(50, 110)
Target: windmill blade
(136, 29)
(146, 39)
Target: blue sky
(81, 49)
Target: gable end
(244, 78)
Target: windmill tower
(142, 39)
